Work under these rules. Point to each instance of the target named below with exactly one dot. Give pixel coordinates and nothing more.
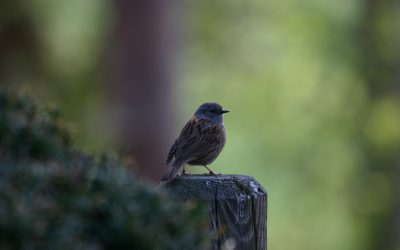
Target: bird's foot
(210, 172)
(184, 172)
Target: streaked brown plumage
(200, 141)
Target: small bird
(200, 141)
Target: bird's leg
(184, 172)
(209, 170)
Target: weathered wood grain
(237, 206)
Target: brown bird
(200, 141)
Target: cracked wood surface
(237, 206)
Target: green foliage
(28, 132)
(54, 197)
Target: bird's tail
(172, 170)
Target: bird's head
(212, 111)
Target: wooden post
(237, 206)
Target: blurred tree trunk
(140, 84)
(20, 45)
(380, 44)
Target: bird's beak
(224, 111)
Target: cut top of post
(206, 187)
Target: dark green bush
(54, 197)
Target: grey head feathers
(211, 110)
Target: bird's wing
(172, 152)
(198, 135)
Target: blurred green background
(313, 87)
